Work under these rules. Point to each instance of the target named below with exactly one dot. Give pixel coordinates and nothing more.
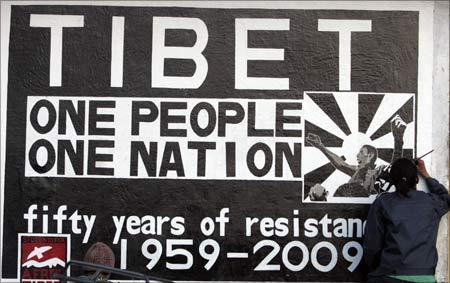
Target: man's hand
(314, 140)
(398, 127)
(421, 169)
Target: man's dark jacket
(401, 232)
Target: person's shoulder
(381, 203)
(425, 195)
(385, 197)
(382, 198)
(421, 194)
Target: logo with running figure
(350, 140)
(41, 256)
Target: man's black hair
(404, 176)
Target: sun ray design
(368, 105)
(388, 139)
(327, 102)
(405, 112)
(384, 141)
(381, 162)
(327, 138)
(348, 103)
(315, 115)
(345, 122)
(313, 158)
(389, 105)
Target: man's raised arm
(336, 160)
(398, 127)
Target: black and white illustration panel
(350, 139)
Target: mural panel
(213, 144)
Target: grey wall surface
(440, 165)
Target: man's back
(402, 231)
(411, 229)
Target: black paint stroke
(327, 102)
(327, 138)
(405, 112)
(386, 153)
(368, 105)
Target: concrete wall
(440, 126)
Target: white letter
(75, 218)
(123, 253)
(56, 23)
(359, 227)
(89, 222)
(59, 217)
(244, 54)
(45, 219)
(160, 222)
(248, 225)
(160, 51)
(117, 51)
(118, 222)
(30, 216)
(207, 226)
(133, 225)
(266, 226)
(222, 219)
(311, 228)
(340, 228)
(282, 227)
(345, 29)
(325, 221)
(177, 224)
